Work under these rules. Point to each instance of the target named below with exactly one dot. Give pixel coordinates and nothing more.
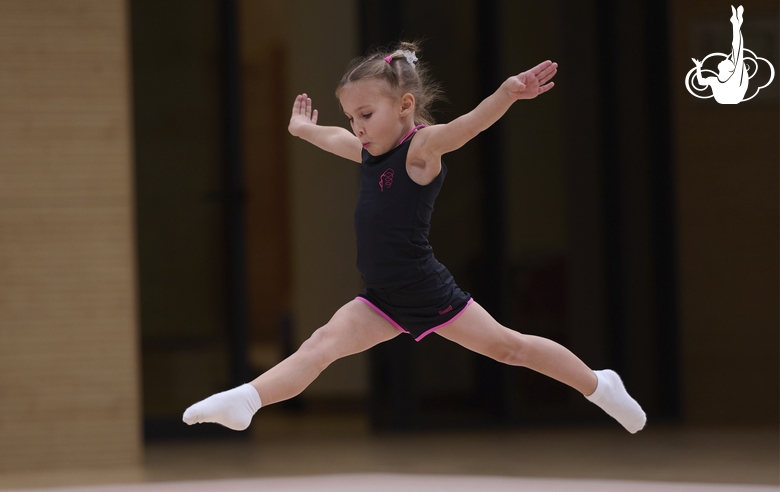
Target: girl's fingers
(303, 104)
(541, 67)
(548, 72)
(296, 109)
(300, 105)
(546, 78)
(542, 72)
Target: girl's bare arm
(440, 139)
(334, 139)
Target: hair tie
(410, 57)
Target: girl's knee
(511, 351)
(318, 348)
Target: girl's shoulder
(422, 165)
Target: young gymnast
(386, 97)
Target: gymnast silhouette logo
(730, 84)
(386, 179)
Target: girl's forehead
(363, 92)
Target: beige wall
(727, 206)
(68, 348)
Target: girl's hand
(531, 83)
(302, 115)
(696, 62)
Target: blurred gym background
(162, 236)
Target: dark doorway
(188, 197)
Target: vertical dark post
(492, 156)
(381, 22)
(492, 285)
(234, 195)
(662, 182)
(611, 140)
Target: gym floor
(287, 453)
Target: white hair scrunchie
(410, 56)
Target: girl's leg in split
(354, 328)
(476, 330)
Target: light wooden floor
(300, 454)
(415, 483)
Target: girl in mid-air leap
(386, 97)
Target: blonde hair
(403, 73)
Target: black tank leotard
(392, 220)
(403, 279)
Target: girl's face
(377, 119)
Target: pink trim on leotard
(445, 324)
(425, 334)
(406, 137)
(371, 304)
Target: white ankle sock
(233, 408)
(613, 398)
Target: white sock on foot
(233, 408)
(613, 398)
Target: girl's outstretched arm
(334, 139)
(444, 138)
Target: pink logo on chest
(386, 179)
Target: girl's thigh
(354, 328)
(476, 330)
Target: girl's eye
(367, 116)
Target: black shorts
(421, 307)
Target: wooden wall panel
(68, 330)
(265, 113)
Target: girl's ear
(407, 104)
